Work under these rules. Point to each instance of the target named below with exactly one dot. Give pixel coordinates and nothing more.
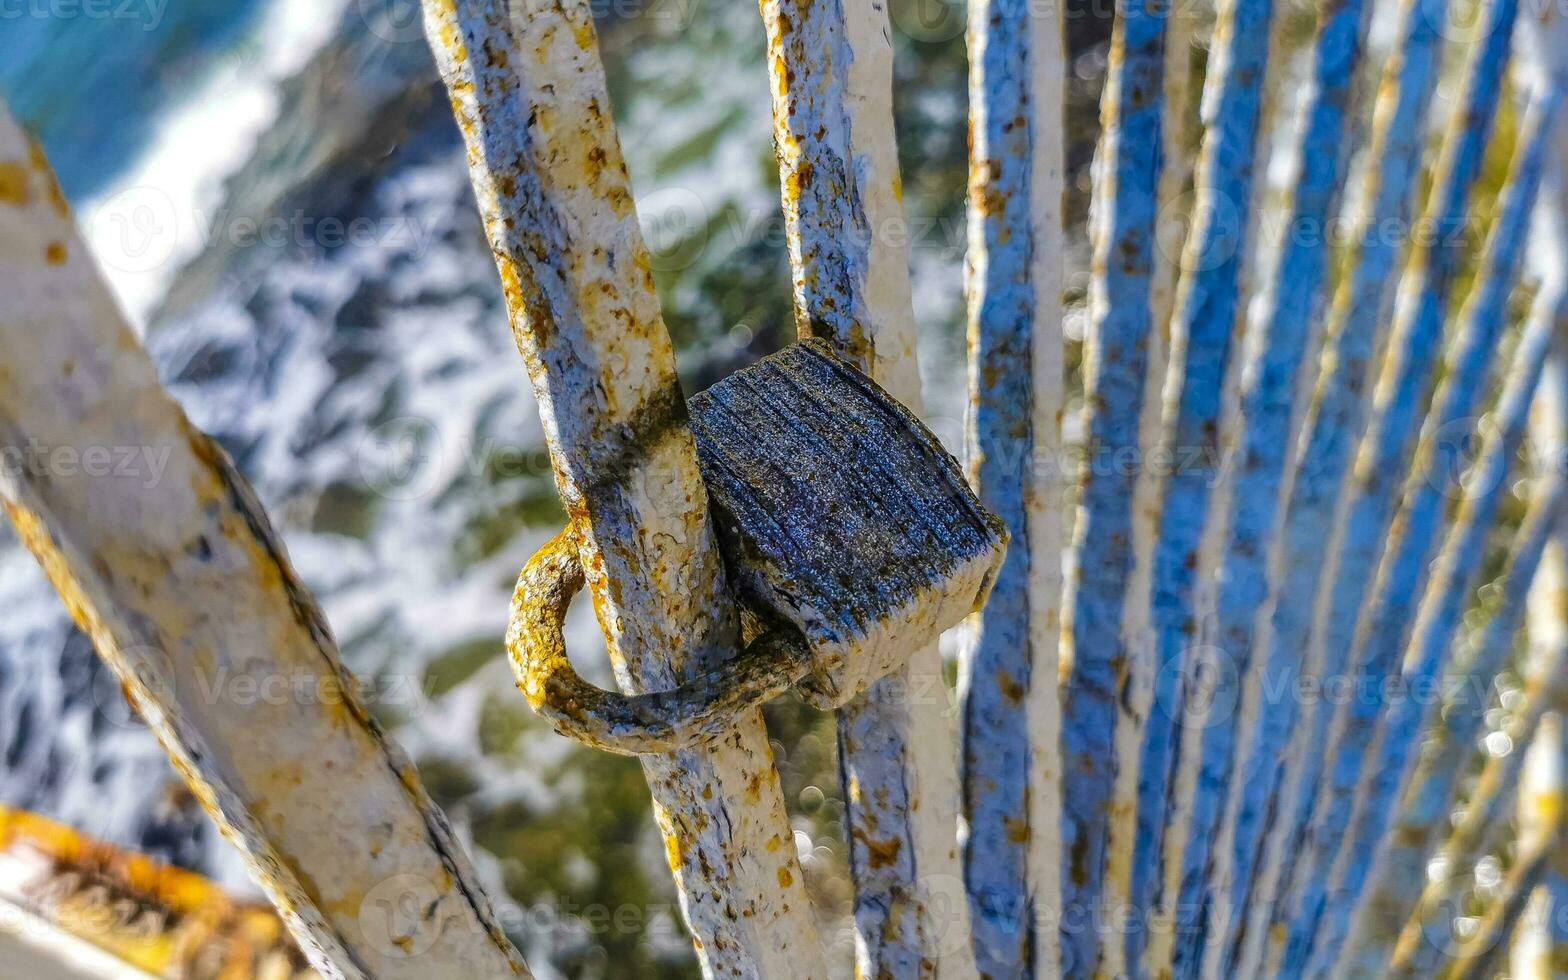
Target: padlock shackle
(654, 722)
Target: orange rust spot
(785, 878)
(55, 254)
(13, 183)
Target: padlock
(849, 535)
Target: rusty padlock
(849, 534)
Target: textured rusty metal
(1336, 418)
(849, 533)
(652, 722)
(1008, 672)
(1373, 490)
(1370, 848)
(183, 587)
(528, 91)
(1279, 376)
(149, 919)
(830, 66)
(1095, 659)
(1208, 309)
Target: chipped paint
(830, 66)
(555, 200)
(167, 617)
(1008, 671)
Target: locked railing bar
(1094, 657)
(830, 64)
(529, 94)
(180, 581)
(1008, 672)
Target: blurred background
(278, 194)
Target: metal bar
(1372, 494)
(1422, 942)
(1538, 936)
(1395, 862)
(831, 66)
(1331, 432)
(1095, 661)
(528, 91)
(1010, 701)
(188, 595)
(1207, 311)
(1481, 951)
(1271, 409)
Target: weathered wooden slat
(1011, 707)
(529, 94)
(173, 570)
(1208, 310)
(1094, 656)
(1332, 430)
(831, 68)
(1271, 408)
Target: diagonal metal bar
(1095, 662)
(175, 573)
(831, 67)
(1480, 953)
(1272, 402)
(1374, 483)
(1372, 850)
(528, 91)
(1010, 701)
(1339, 407)
(1333, 425)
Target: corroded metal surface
(830, 66)
(1008, 674)
(848, 530)
(528, 91)
(1095, 662)
(1273, 402)
(145, 915)
(1373, 490)
(184, 588)
(841, 515)
(1369, 844)
(1208, 310)
(703, 707)
(1333, 426)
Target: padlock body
(841, 514)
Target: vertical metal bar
(831, 68)
(1094, 656)
(529, 94)
(176, 575)
(1010, 700)
(1537, 947)
(1273, 400)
